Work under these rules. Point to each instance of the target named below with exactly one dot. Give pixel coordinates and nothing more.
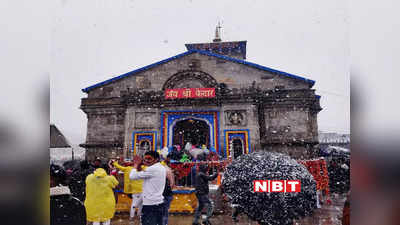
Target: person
(100, 200)
(185, 158)
(202, 191)
(64, 208)
(205, 149)
(188, 146)
(168, 195)
(112, 169)
(98, 163)
(175, 154)
(133, 188)
(77, 180)
(236, 208)
(164, 152)
(346, 211)
(153, 186)
(213, 156)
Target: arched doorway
(237, 147)
(144, 146)
(194, 131)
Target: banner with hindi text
(190, 93)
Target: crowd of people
(85, 192)
(190, 153)
(82, 192)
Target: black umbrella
(270, 208)
(71, 165)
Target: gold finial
(217, 33)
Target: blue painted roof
(311, 82)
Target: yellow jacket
(130, 186)
(100, 201)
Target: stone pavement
(327, 215)
(185, 219)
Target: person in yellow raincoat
(133, 187)
(100, 200)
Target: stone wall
(292, 132)
(279, 112)
(233, 74)
(249, 121)
(140, 119)
(104, 153)
(149, 119)
(105, 127)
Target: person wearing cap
(96, 163)
(100, 200)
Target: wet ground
(185, 219)
(327, 215)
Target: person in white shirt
(154, 177)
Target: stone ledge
(101, 145)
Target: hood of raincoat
(100, 172)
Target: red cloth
(318, 168)
(114, 172)
(183, 169)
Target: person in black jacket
(202, 191)
(175, 154)
(64, 209)
(98, 163)
(77, 180)
(236, 208)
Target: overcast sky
(92, 41)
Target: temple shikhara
(209, 95)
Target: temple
(208, 95)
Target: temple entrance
(194, 131)
(237, 148)
(144, 146)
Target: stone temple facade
(209, 96)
